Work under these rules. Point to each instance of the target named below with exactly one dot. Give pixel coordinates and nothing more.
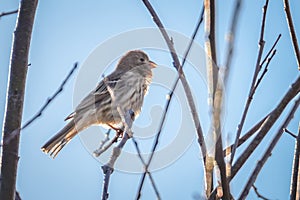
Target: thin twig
(258, 194)
(104, 147)
(265, 70)
(103, 142)
(46, 104)
(252, 91)
(292, 31)
(270, 51)
(269, 122)
(231, 37)
(295, 172)
(146, 170)
(269, 150)
(290, 133)
(8, 13)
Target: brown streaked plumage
(129, 84)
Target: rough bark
(15, 97)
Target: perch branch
(108, 168)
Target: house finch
(124, 88)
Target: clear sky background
(68, 31)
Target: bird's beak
(152, 64)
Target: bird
(124, 88)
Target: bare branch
(245, 137)
(49, 100)
(292, 30)
(40, 112)
(252, 88)
(186, 87)
(268, 152)
(184, 82)
(270, 51)
(258, 194)
(15, 97)
(231, 35)
(290, 133)
(215, 97)
(265, 70)
(104, 147)
(295, 172)
(8, 13)
(269, 122)
(266, 126)
(108, 168)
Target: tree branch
(258, 194)
(8, 13)
(290, 133)
(108, 168)
(268, 152)
(269, 122)
(292, 30)
(15, 97)
(246, 136)
(252, 88)
(295, 171)
(265, 70)
(184, 82)
(40, 112)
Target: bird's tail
(58, 141)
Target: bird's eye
(142, 59)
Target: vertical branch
(108, 168)
(210, 49)
(252, 90)
(212, 76)
(15, 96)
(292, 30)
(268, 152)
(295, 172)
(231, 37)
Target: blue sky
(68, 31)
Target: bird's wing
(100, 93)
